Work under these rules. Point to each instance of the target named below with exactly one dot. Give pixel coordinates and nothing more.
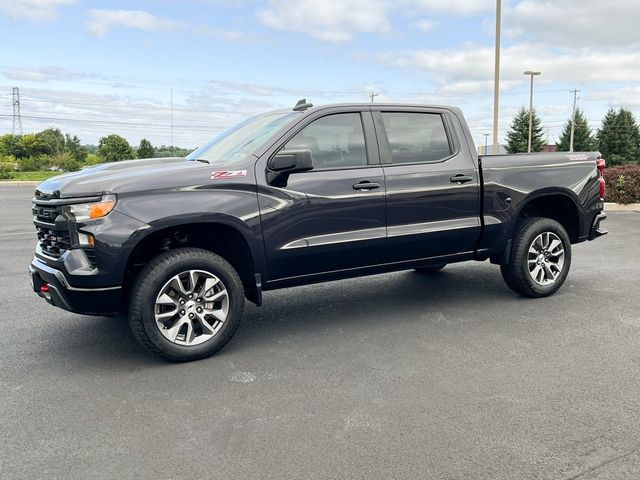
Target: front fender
(233, 207)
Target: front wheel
(186, 304)
(540, 258)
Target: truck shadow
(362, 303)
(371, 302)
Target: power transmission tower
(17, 119)
(372, 95)
(573, 118)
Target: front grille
(53, 242)
(56, 234)
(52, 228)
(46, 213)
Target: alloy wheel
(545, 259)
(191, 307)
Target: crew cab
(298, 196)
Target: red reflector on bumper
(44, 288)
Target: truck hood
(118, 177)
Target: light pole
(496, 78)
(532, 74)
(573, 119)
(486, 142)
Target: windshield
(242, 140)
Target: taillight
(600, 165)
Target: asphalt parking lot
(448, 376)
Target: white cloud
(472, 64)
(335, 21)
(340, 21)
(453, 7)
(576, 23)
(628, 97)
(101, 21)
(33, 10)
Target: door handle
(366, 185)
(460, 178)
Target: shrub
(6, 171)
(93, 159)
(623, 184)
(66, 161)
(32, 164)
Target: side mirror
(290, 161)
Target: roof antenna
(302, 105)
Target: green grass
(32, 176)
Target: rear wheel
(436, 267)
(186, 304)
(540, 258)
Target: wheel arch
(561, 205)
(222, 236)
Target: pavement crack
(602, 464)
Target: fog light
(86, 239)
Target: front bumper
(596, 228)
(58, 292)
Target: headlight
(90, 211)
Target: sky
(136, 68)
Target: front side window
(416, 137)
(335, 141)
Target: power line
(258, 90)
(106, 123)
(140, 107)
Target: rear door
(333, 217)
(432, 184)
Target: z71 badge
(223, 174)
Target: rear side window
(416, 137)
(335, 141)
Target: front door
(332, 217)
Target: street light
(531, 74)
(496, 77)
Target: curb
(21, 183)
(618, 207)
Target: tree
(583, 140)
(9, 144)
(114, 148)
(66, 161)
(518, 134)
(33, 145)
(73, 146)
(53, 139)
(167, 151)
(145, 149)
(619, 137)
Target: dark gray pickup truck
(299, 196)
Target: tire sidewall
(529, 234)
(172, 265)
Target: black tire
(431, 268)
(148, 285)
(516, 274)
